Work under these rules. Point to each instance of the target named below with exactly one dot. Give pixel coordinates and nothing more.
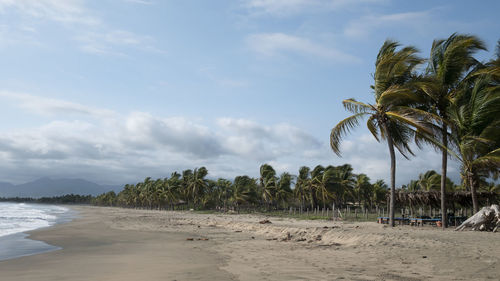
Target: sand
(124, 244)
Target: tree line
(319, 187)
(453, 104)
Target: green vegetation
(319, 188)
(453, 105)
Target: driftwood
(488, 219)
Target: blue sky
(117, 90)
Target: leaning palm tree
(388, 117)
(267, 183)
(451, 61)
(303, 185)
(197, 183)
(476, 131)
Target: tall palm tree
(388, 117)
(476, 131)
(450, 62)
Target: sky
(117, 90)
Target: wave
(21, 217)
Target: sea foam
(21, 217)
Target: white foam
(21, 217)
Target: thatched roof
(433, 198)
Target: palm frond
(372, 125)
(355, 106)
(342, 128)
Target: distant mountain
(46, 187)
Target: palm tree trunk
(444, 163)
(472, 182)
(393, 176)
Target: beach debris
(199, 239)
(329, 245)
(288, 237)
(269, 239)
(253, 237)
(265, 221)
(318, 238)
(487, 219)
(424, 257)
(301, 239)
(238, 231)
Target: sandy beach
(125, 244)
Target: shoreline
(128, 244)
(21, 244)
(93, 250)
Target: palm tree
(302, 187)
(244, 190)
(225, 193)
(267, 183)
(197, 183)
(283, 189)
(475, 112)
(388, 118)
(324, 181)
(316, 174)
(344, 182)
(379, 192)
(362, 189)
(450, 61)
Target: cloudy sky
(117, 90)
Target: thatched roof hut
(433, 198)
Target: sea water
(17, 218)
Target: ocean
(17, 218)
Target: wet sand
(124, 244)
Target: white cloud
(109, 41)
(117, 148)
(365, 25)
(87, 29)
(292, 7)
(143, 2)
(67, 11)
(275, 44)
(48, 106)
